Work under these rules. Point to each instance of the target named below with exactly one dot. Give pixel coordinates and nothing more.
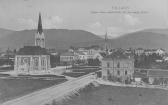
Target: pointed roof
(106, 39)
(40, 28)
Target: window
(118, 72)
(118, 65)
(108, 64)
(126, 72)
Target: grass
(12, 88)
(111, 95)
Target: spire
(40, 28)
(106, 43)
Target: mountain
(5, 32)
(149, 38)
(55, 38)
(64, 38)
(144, 39)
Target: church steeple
(39, 36)
(40, 28)
(106, 43)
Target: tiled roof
(119, 55)
(80, 52)
(67, 54)
(32, 50)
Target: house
(139, 51)
(99, 56)
(149, 51)
(160, 52)
(67, 57)
(118, 67)
(80, 55)
(33, 59)
(158, 77)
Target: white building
(118, 67)
(33, 59)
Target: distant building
(118, 66)
(139, 51)
(99, 56)
(158, 77)
(32, 59)
(160, 52)
(80, 55)
(149, 51)
(67, 57)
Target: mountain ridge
(64, 38)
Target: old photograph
(83, 52)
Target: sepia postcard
(83, 52)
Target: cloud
(131, 20)
(48, 23)
(52, 22)
(28, 23)
(115, 31)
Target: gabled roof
(103, 54)
(32, 50)
(67, 54)
(79, 52)
(119, 55)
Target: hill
(55, 38)
(63, 39)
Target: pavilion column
(39, 63)
(31, 64)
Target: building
(99, 56)
(139, 51)
(158, 77)
(149, 52)
(33, 59)
(80, 55)
(67, 57)
(160, 52)
(118, 67)
(39, 36)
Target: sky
(89, 15)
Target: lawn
(12, 88)
(111, 95)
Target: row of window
(118, 72)
(118, 65)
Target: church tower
(39, 36)
(106, 43)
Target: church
(33, 59)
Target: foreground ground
(12, 88)
(111, 95)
